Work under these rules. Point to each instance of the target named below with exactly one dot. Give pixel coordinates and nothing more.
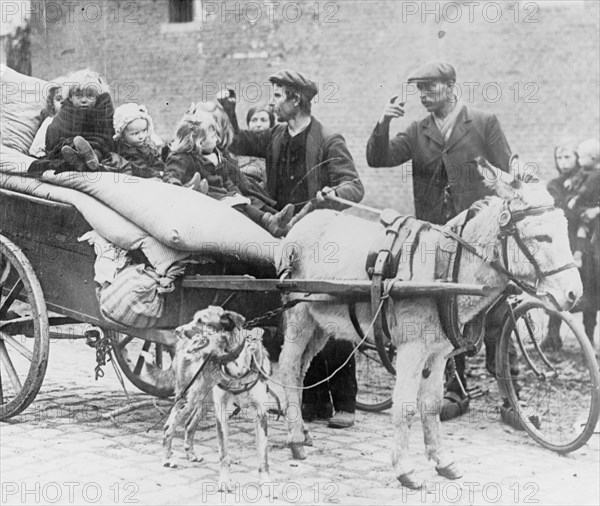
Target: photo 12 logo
(470, 12)
(270, 11)
(69, 11)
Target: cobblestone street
(65, 450)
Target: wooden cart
(47, 281)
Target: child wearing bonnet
(136, 142)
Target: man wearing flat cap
(443, 147)
(303, 157)
(305, 160)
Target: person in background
(566, 161)
(54, 102)
(258, 119)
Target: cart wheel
(554, 385)
(375, 381)
(131, 352)
(24, 331)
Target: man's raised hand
(392, 110)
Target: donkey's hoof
(409, 480)
(451, 471)
(298, 451)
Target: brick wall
(541, 56)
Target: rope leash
(354, 351)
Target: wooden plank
(337, 286)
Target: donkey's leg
(297, 352)
(431, 394)
(409, 363)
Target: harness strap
(194, 378)
(394, 227)
(470, 339)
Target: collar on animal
(243, 383)
(469, 339)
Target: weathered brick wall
(542, 57)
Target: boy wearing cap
(303, 161)
(443, 147)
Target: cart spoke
(16, 324)
(125, 341)
(17, 346)
(10, 368)
(4, 270)
(140, 362)
(1, 388)
(159, 355)
(11, 297)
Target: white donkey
(420, 358)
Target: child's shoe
(194, 183)
(87, 152)
(277, 224)
(69, 155)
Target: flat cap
(290, 77)
(435, 71)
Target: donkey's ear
(502, 183)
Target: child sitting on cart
(135, 143)
(194, 160)
(81, 134)
(54, 102)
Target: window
(181, 11)
(184, 16)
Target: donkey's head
(533, 241)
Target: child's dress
(181, 167)
(142, 161)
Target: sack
(136, 296)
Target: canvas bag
(135, 298)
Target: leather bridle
(508, 220)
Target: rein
(507, 221)
(471, 340)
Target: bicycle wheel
(375, 382)
(554, 386)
